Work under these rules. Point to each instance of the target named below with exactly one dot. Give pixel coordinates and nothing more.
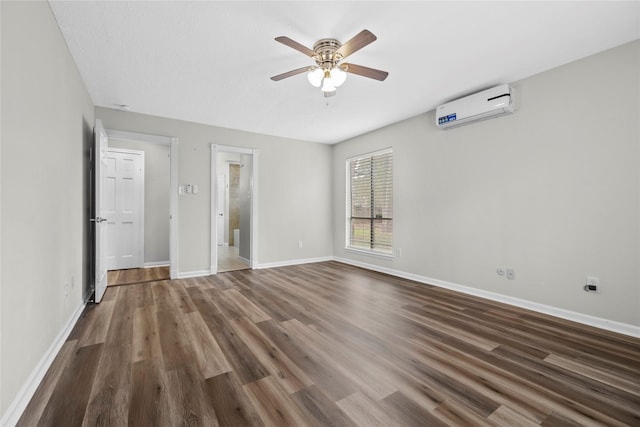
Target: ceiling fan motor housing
(325, 51)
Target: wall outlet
(500, 271)
(399, 252)
(66, 289)
(511, 274)
(592, 284)
(299, 243)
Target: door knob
(98, 219)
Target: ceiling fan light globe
(315, 77)
(327, 85)
(338, 76)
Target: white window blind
(370, 202)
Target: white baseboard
(189, 274)
(586, 319)
(294, 262)
(156, 264)
(17, 407)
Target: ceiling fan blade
(291, 73)
(360, 70)
(358, 41)
(295, 45)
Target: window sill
(369, 253)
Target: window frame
(348, 207)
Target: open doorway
(233, 214)
(156, 235)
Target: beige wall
(294, 202)
(551, 191)
(47, 120)
(156, 197)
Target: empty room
(315, 213)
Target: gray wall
(156, 197)
(551, 191)
(294, 189)
(47, 120)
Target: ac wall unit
(483, 105)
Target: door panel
(126, 204)
(100, 169)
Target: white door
(220, 210)
(99, 166)
(123, 198)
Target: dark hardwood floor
(330, 345)
(137, 275)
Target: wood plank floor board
(137, 275)
(291, 377)
(630, 385)
(364, 370)
(109, 398)
(506, 380)
(93, 325)
(232, 406)
(321, 408)
(121, 325)
(176, 348)
(162, 299)
(46, 388)
(274, 302)
(228, 308)
(366, 412)
(146, 339)
(271, 304)
(472, 373)
(333, 384)
(149, 404)
(275, 406)
(188, 404)
(582, 390)
(181, 298)
(246, 307)
(407, 412)
(492, 335)
(76, 380)
(540, 384)
(210, 358)
(244, 362)
(328, 344)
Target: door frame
(253, 185)
(100, 146)
(141, 191)
(172, 142)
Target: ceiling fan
(329, 71)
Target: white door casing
(100, 255)
(123, 200)
(252, 154)
(172, 142)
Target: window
(370, 202)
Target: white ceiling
(211, 62)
